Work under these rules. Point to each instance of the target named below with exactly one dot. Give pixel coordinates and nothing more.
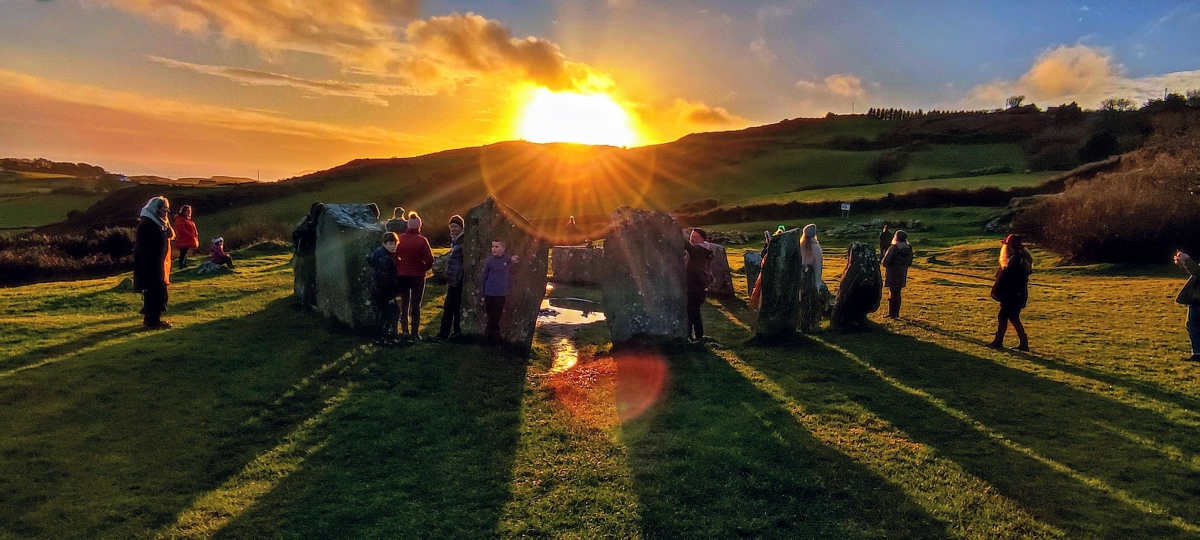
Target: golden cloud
(1068, 70)
(845, 85)
(698, 113)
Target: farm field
(254, 419)
(878, 191)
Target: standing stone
(492, 220)
(643, 285)
(779, 310)
(812, 303)
(752, 261)
(579, 265)
(345, 235)
(861, 287)
(722, 283)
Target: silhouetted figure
(413, 260)
(1012, 289)
(452, 308)
(896, 260)
(698, 257)
(152, 261)
(383, 286)
(1189, 296)
(885, 241)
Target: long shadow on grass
(423, 447)
(716, 458)
(122, 439)
(1146, 388)
(1080, 461)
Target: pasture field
(34, 210)
(879, 191)
(255, 419)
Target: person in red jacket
(186, 236)
(413, 260)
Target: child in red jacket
(217, 253)
(186, 236)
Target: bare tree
(1118, 105)
(1013, 102)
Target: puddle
(561, 317)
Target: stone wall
(578, 265)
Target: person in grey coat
(452, 308)
(896, 261)
(1189, 296)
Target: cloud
(763, 52)
(1085, 75)
(845, 85)
(457, 47)
(355, 32)
(697, 112)
(372, 93)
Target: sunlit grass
(255, 419)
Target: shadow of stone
(146, 426)
(1148, 389)
(1052, 422)
(42, 354)
(716, 457)
(424, 447)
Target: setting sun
(576, 118)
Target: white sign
(845, 207)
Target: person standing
(186, 235)
(1189, 296)
(896, 260)
(452, 308)
(494, 284)
(1012, 289)
(698, 257)
(413, 259)
(399, 222)
(885, 241)
(152, 261)
(383, 285)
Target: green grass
(255, 419)
(29, 211)
(879, 191)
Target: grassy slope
(253, 419)
(876, 191)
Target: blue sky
(178, 87)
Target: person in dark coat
(896, 260)
(699, 276)
(1189, 296)
(885, 241)
(305, 240)
(152, 261)
(383, 286)
(452, 308)
(1012, 289)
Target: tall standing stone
(722, 283)
(752, 266)
(579, 265)
(643, 285)
(812, 303)
(492, 220)
(345, 235)
(779, 308)
(861, 287)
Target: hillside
(548, 182)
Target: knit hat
(414, 222)
(218, 240)
(457, 219)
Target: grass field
(29, 211)
(879, 191)
(255, 419)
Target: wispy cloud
(372, 93)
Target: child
(186, 236)
(383, 285)
(495, 288)
(217, 253)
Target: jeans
(1193, 327)
(695, 299)
(389, 314)
(494, 307)
(412, 290)
(452, 311)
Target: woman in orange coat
(186, 236)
